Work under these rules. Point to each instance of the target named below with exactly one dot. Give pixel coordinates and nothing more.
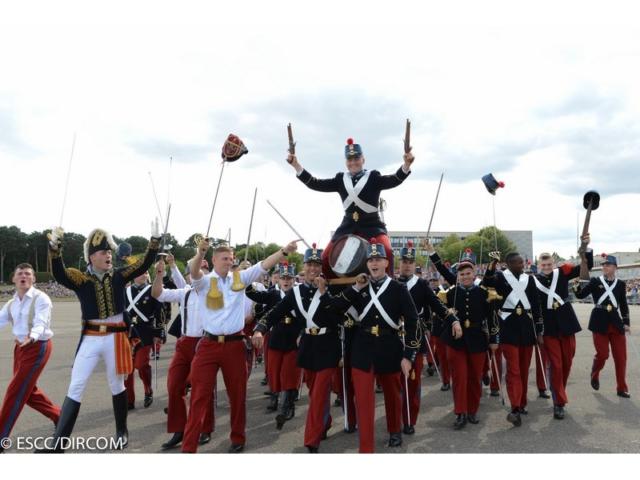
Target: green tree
(13, 249)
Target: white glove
(55, 238)
(155, 228)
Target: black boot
(471, 418)
(148, 399)
(264, 381)
(445, 387)
(558, 412)
(514, 417)
(543, 394)
(120, 410)
(273, 402)
(408, 430)
(173, 442)
(461, 421)
(312, 449)
(288, 409)
(395, 439)
(431, 370)
(68, 417)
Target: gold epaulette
(492, 294)
(237, 284)
(215, 300)
(76, 276)
(442, 296)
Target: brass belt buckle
(355, 216)
(467, 323)
(220, 338)
(519, 311)
(313, 331)
(287, 320)
(103, 328)
(375, 331)
(609, 308)
(556, 305)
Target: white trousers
(91, 350)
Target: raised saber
(215, 199)
(253, 209)
(288, 224)
(155, 196)
(66, 185)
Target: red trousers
(414, 382)
(28, 363)
(432, 343)
(177, 379)
(364, 387)
(559, 352)
(140, 363)
(265, 352)
(283, 373)
(619, 352)
(319, 414)
(211, 356)
(541, 367)
(518, 358)
(466, 373)
(496, 370)
(349, 404)
(440, 351)
(383, 238)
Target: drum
(349, 256)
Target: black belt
(287, 321)
(376, 331)
(105, 328)
(357, 216)
(223, 338)
(608, 308)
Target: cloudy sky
(543, 95)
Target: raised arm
(319, 185)
(386, 182)
(140, 266)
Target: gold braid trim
(108, 294)
(100, 301)
(76, 276)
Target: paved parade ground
(596, 422)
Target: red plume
(349, 141)
(313, 245)
(603, 255)
(410, 244)
(467, 250)
(501, 184)
(372, 240)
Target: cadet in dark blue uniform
(426, 303)
(359, 191)
(609, 322)
(145, 313)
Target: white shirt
(41, 329)
(194, 321)
(230, 318)
(177, 277)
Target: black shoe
(311, 449)
(558, 412)
(166, 410)
(288, 409)
(408, 430)
(445, 387)
(523, 411)
(395, 439)
(173, 441)
(273, 403)
(495, 393)
(66, 422)
(264, 381)
(471, 418)
(297, 396)
(204, 438)
(379, 389)
(131, 406)
(595, 383)
(624, 394)
(350, 429)
(337, 402)
(461, 421)
(120, 410)
(514, 417)
(486, 380)
(148, 400)
(236, 448)
(258, 359)
(431, 370)
(543, 394)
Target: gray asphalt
(595, 422)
